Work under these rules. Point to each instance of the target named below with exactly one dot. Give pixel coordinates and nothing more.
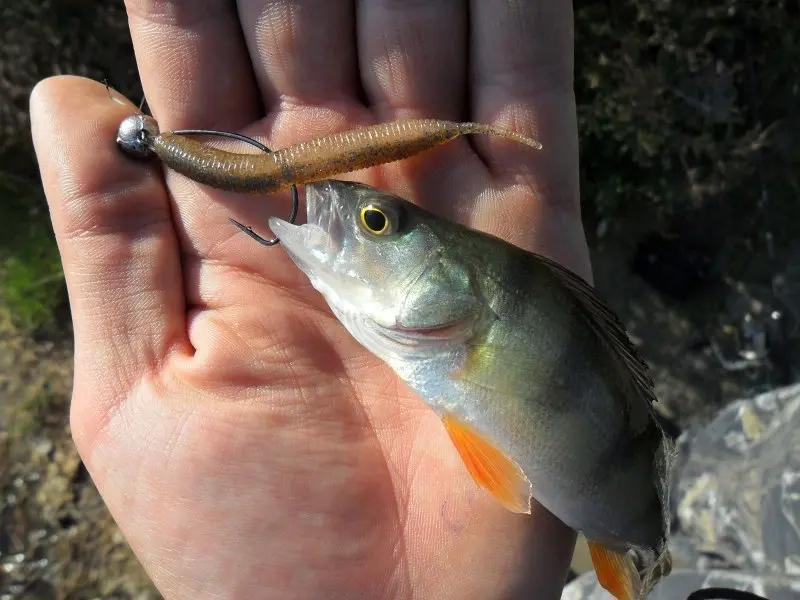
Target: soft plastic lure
(313, 160)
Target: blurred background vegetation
(690, 181)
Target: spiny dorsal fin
(607, 326)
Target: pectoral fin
(615, 572)
(490, 467)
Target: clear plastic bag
(736, 502)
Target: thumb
(120, 254)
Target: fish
(533, 376)
(315, 159)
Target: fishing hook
(248, 140)
(133, 136)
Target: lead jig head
(135, 133)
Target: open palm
(245, 444)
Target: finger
(521, 73)
(413, 63)
(194, 63)
(112, 222)
(413, 57)
(303, 51)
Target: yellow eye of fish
(374, 220)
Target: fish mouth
(315, 246)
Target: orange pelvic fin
(490, 467)
(615, 572)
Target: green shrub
(39, 39)
(31, 278)
(675, 100)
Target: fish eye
(374, 219)
(378, 220)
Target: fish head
(384, 265)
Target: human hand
(246, 445)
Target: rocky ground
(57, 539)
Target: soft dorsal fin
(607, 326)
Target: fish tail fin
(660, 568)
(484, 129)
(490, 467)
(616, 572)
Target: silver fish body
(508, 343)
